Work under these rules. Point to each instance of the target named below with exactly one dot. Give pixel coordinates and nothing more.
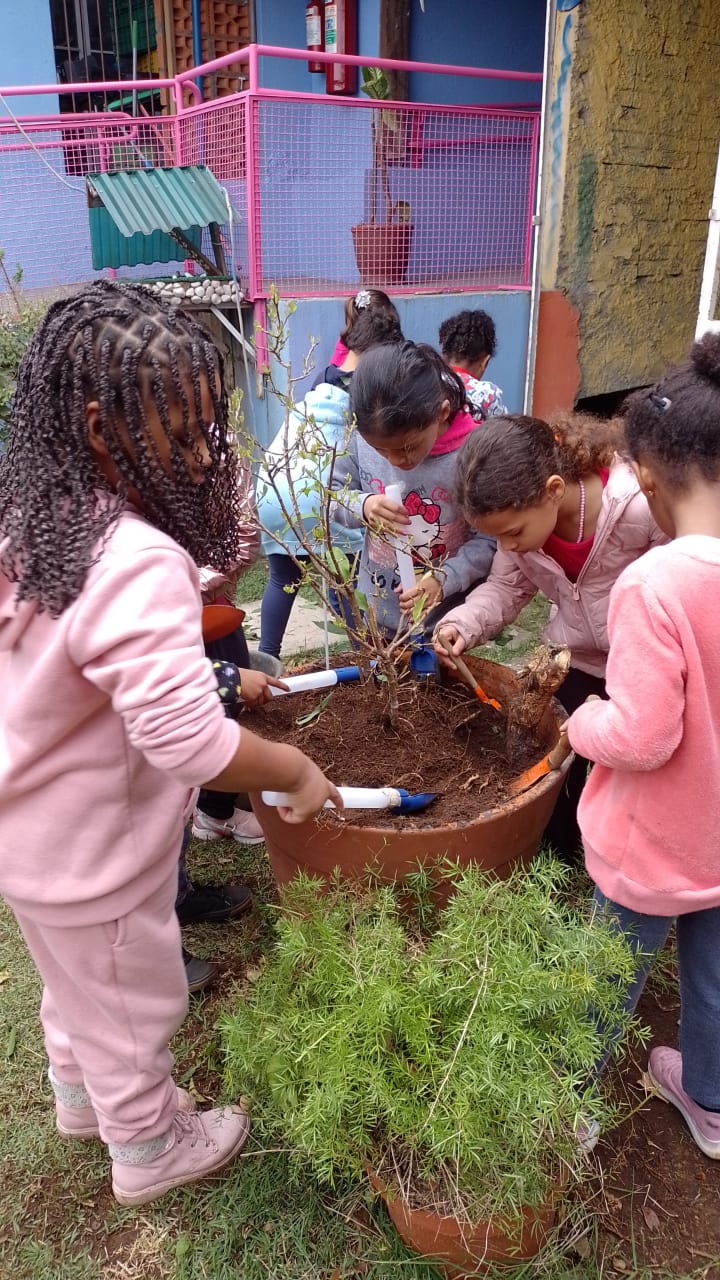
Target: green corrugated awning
(149, 200)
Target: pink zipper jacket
(650, 810)
(109, 718)
(625, 530)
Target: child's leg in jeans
(643, 933)
(277, 602)
(698, 945)
(562, 831)
(105, 1025)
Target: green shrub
(464, 1056)
(16, 331)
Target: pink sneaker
(665, 1071)
(199, 1144)
(243, 827)
(81, 1122)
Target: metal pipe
(538, 218)
(197, 42)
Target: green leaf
(302, 721)
(338, 562)
(361, 601)
(11, 1043)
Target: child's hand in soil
(453, 637)
(427, 589)
(310, 795)
(384, 515)
(255, 687)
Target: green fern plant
(457, 1065)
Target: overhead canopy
(148, 200)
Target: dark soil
(430, 749)
(659, 1202)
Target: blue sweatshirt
(302, 450)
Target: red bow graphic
(414, 505)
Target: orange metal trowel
(550, 764)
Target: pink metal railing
(324, 191)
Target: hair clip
(661, 403)
(362, 299)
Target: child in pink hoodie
(117, 481)
(568, 516)
(650, 813)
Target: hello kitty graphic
(423, 531)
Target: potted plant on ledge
(448, 1057)
(382, 244)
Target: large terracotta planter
(497, 839)
(459, 1251)
(382, 252)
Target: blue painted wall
(322, 319)
(26, 54)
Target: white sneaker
(243, 827)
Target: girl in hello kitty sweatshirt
(412, 418)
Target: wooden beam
(394, 42)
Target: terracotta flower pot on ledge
(497, 839)
(382, 252)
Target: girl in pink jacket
(568, 516)
(650, 813)
(117, 481)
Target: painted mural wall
(633, 133)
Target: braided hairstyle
(677, 422)
(400, 387)
(509, 460)
(119, 345)
(467, 337)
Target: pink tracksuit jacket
(109, 718)
(650, 811)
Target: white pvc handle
(352, 798)
(309, 680)
(399, 541)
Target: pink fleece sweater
(650, 812)
(109, 719)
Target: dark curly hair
(369, 300)
(677, 422)
(117, 344)
(400, 387)
(371, 329)
(508, 461)
(467, 336)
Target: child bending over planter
(412, 419)
(468, 343)
(569, 516)
(650, 812)
(118, 480)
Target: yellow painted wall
(633, 136)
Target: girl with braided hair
(568, 516)
(118, 479)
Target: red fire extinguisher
(315, 32)
(340, 37)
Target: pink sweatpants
(115, 994)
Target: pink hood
(109, 719)
(625, 531)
